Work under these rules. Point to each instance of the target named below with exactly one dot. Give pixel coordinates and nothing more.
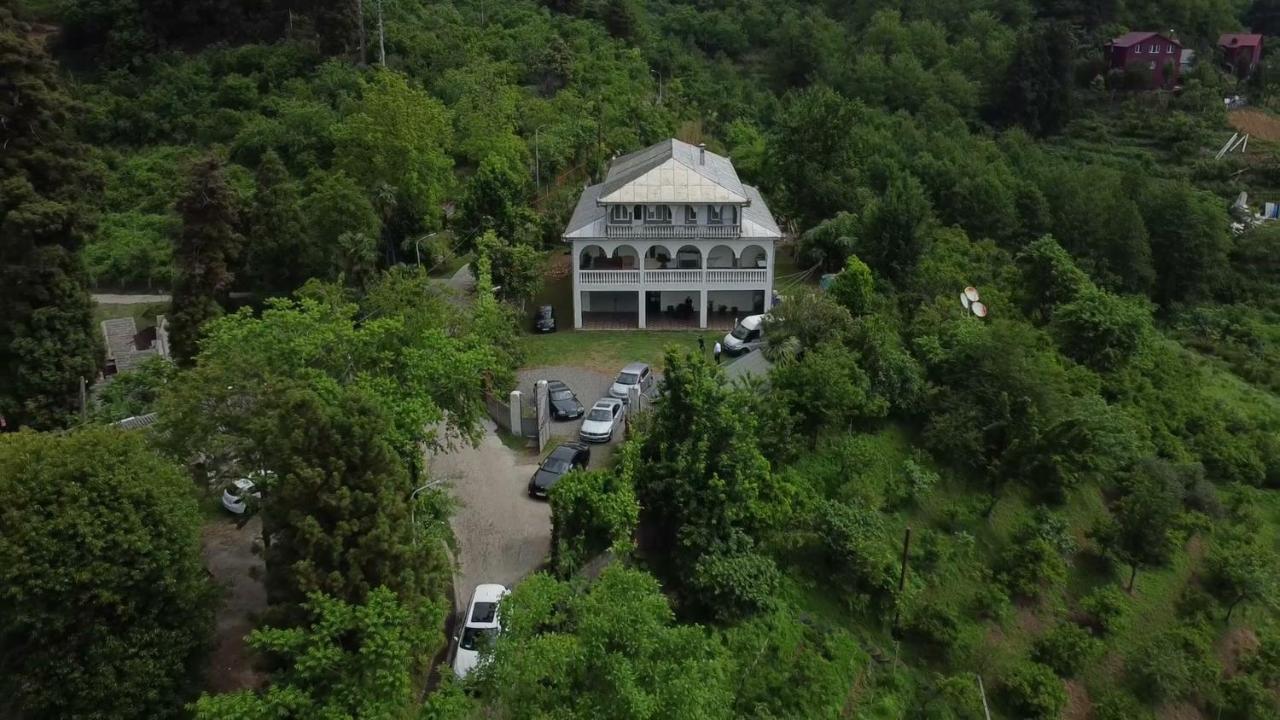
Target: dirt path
(503, 534)
(228, 553)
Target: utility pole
(360, 30)
(902, 576)
(983, 692)
(382, 40)
(84, 401)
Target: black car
(545, 319)
(564, 404)
(564, 458)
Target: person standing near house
(716, 351)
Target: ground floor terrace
(666, 309)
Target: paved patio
(661, 321)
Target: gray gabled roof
(672, 171)
(589, 217)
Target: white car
(602, 420)
(233, 498)
(634, 374)
(480, 629)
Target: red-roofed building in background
(1242, 51)
(1154, 54)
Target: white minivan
(746, 336)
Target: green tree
(1032, 691)
(830, 242)
(826, 389)
(277, 253)
(854, 287)
(812, 155)
(1140, 531)
(204, 253)
(593, 511)
(517, 269)
(1050, 278)
(1038, 86)
(48, 340)
(1103, 331)
(894, 227)
(337, 206)
(1241, 569)
(105, 609)
(398, 138)
(135, 392)
(609, 650)
(496, 199)
(1192, 231)
(345, 660)
(1067, 648)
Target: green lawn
(607, 350)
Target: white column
(640, 294)
(577, 285)
(702, 309)
(770, 249)
(515, 400)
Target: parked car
(480, 627)
(545, 319)
(636, 373)
(234, 497)
(746, 336)
(564, 458)
(564, 404)
(606, 416)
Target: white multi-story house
(671, 238)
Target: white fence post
(515, 405)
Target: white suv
(479, 629)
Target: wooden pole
(382, 44)
(902, 575)
(84, 401)
(983, 692)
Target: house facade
(1157, 56)
(671, 238)
(1241, 51)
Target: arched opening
(625, 257)
(720, 256)
(592, 256)
(752, 257)
(658, 257)
(688, 258)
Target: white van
(746, 336)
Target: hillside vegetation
(1075, 500)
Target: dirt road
(228, 553)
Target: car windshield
(740, 332)
(627, 378)
(473, 637)
(562, 395)
(599, 414)
(556, 466)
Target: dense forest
(1069, 508)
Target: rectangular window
(619, 214)
(690, 215)
(639, 213)
(1137, 49)
(657, 214)
(714, 215)
(1169, 50)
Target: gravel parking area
(588, 385)
(503, 534)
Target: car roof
(606, 403)
(556, 384)
(635, 367)
(564, 451)
(488, 592)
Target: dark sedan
(545, 319)
(564, 404)
(566, 457)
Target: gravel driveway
(503, 534)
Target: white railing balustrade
(723, 277)
(673, 232)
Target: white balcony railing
(672, 278)
(673, 232)
(609, 277)
(736, 276)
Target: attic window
(639, 213)
(620, 214)
(657, 214)
(690, 215)
(714, 215)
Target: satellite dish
(964, 300)
(978, 309)
(971, 293)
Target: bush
(1032, 691)
(736, 585)
(1105, 607)
(1119, 705)
(590, 512)
(858, 551)
(932, 623)
(1244, 697)
(1034, 560)
(1174, 665)
(1067, 648)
